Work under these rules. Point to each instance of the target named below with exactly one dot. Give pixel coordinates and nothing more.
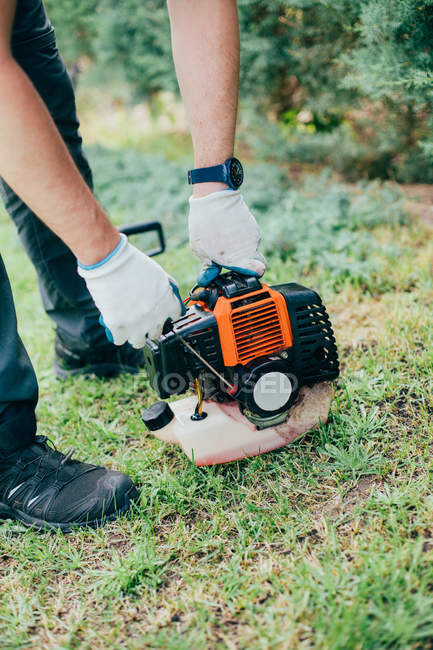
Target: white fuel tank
(226, 435)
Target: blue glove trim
(108, 333)
(109, 256)
(177, 294)
(247, 272)
(212, 271)
(209, 275)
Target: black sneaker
(43, 488)
(107, 361)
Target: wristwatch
(231, 172)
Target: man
(46, 174)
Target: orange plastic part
(253, 330)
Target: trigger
(168, 326)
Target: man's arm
(35, 162)
(205, 41)
(133, 293)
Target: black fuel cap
(157, 416)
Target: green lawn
(327, 543)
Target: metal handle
(147, 226)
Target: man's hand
(223, 232)
(133, 293)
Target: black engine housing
(313, 357)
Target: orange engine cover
(235, 327)
(252, 326)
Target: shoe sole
(100, 370)
(6, 512)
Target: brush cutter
(260, 361)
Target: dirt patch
(427, 546)
(119, 543)
(406, 406)
(357, 321)
(339, 506)
(419, 201)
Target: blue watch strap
(215, 174)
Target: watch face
(236, 173)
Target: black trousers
(64, 294)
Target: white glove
(133, 293)
(223, 232)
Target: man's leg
(39, 486)
(18, 385)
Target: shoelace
(49, 444)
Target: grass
(327, 543)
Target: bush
(318, 225)
(361, 68)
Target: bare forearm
(35, 162)
(205, 41)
